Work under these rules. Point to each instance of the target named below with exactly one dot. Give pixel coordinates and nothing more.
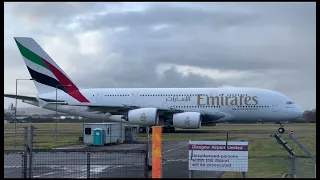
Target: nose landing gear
(281, 128)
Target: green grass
(273, 168)
(42, 141)
(296, 127)
(263, 168)
(45, 126)
(263, 145)
(267, 157)
(305, 168)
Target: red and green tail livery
(47, 75)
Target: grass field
(262, 148)
(42, 140)
(45, 126)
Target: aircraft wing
(42, 101)
(105, 108)
(118, 108)
(29, 98)
(92, 107)
(167, 111)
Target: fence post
(292, 156)
(88, 165)
(190, 174)
(243, 174)
(30, 151)
(292, 166)
(25, 154)
(157, 152)
(146, 163)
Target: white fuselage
(239, 104)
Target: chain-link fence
(305, 167)
(112, 157)
(13, 164)
(267, 158)
(304, 147)
(57, 135)
(88, 163)
(71, 157)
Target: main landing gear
(165, 129)
(168, 129)
(281, 128)
(142, 130)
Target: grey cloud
(172, 78)
(55, 9)
(172, 15)
(273, 42)
(196, 49)
(56, 12)
(195, 31)
(251, 14)
(128, 76)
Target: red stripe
(72, 90)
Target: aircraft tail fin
(46, 74)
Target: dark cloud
(273, 44)
(255, 43)
(141, 75)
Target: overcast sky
(266, 45)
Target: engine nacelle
(187, 120)
(117, 118)
(143, 116)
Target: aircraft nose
(298, 111)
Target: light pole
(56, 128)
(15, 110)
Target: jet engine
(187, 120)
(117, 118)
(143, 116)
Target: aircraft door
(164, 105)
(134, 97)
(233, 109)
(275, 107)
(98, 97)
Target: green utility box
(98, 137)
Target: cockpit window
(290, 102)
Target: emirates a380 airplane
(188, 108)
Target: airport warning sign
(229, 156)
